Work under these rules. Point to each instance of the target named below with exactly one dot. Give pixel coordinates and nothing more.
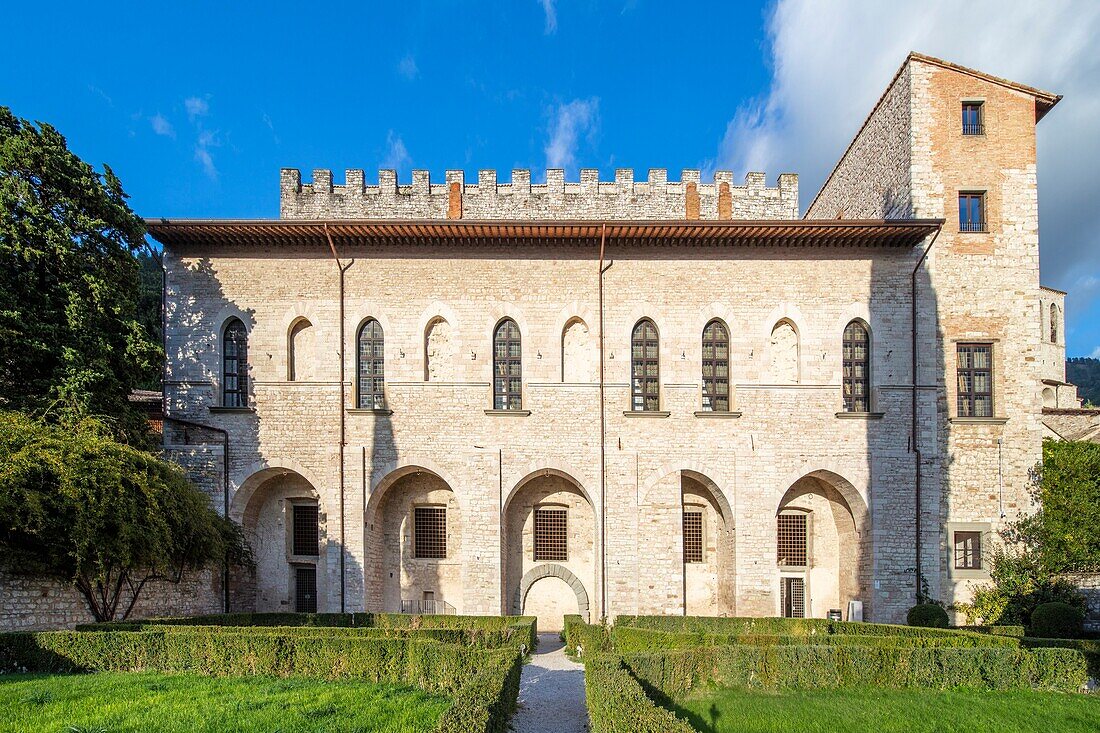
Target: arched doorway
(284, 522)
(708, 548)
(414, 530)
(823, 547)
(549, 547)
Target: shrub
(589, 637)
(1014, 631)
(1089, 647)
(1057, 621)
(1019, 584)
(618, 704)
(626, 639)
(928, 615)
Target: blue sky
(197, 105)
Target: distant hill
(1085, 373)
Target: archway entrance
(550, 592)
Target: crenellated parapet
(520, 199)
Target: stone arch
(569, 474)
(440, 351)
(301, 348)
(785, 353)
(579, 355)
(551, 570)
(259, 472)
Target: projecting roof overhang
(892, 233)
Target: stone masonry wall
(623, 198)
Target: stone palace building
(629, 396)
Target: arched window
(371, 367)
(645, 368)
(716, 367)
(1053, 323)
(857, 368)
(507, 369)
(234, 364)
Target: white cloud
(831, 59)
(162, 126)
(397, 155)
(205, 141)
(551, 15)
(407, 67)
(571, 121)
(196, 107)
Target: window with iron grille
(693, 535)
(975, 378)
(793, 597)
(972, 121)
(791, 539)
(235, 365)
(507, 367)
(371, 367)
(968, 550)
(971, 211)
(304, 529)
(716, 367)
(305, 589)
(857, 368)
(430, 532)
(645, 368)
(551, 535)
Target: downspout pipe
(343, 268)
(917, 544)
(603, 440)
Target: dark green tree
(79, 506)
(71, 343)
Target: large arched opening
(708, 548)
(823, 548)
(549, 548)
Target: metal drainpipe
(913, 429)
(603, 443)
(343, 416)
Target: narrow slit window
(716, 367)
(975, 380)
(305, 534)
(971, 211)
(857, 368)
(430, 532)
(551, 535)
(235, 365)
(372, 382)
(791, 539)
(645, 368)
(507, 367)
(693, 536)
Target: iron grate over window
(693, 535)
(305, 589)
(507, 367)
(975, 380)
(235, 365)
(968, 550)
(645, 368)
(716, 367)
(791, 539)
(305, 529)
(793, 597)
(857, 368)
(371, 367)
(551, 535)
(430, 532)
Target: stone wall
(590, 198)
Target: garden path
(551, 692)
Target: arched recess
(301, 348)
(440, 351)
(785, 353)
(579, 352)
(709, 551)
(551, 570)
(1054, 323)
(548, 519)
(837, 547)
(413, 536)
(278, 509)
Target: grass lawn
(118, 702)
(888, 711)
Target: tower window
(975, 380)
(972, 118)
(971, 211)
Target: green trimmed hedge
(243, 619)
(1002, 630)
(778, 667)
(627, 639)
(618, 704)
(589, 637)
(1089, 647)
(485, 703)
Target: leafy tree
(1019, 584)
(70, 341)
(79, 506)
(1084, 371)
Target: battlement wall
(590, 198)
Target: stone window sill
(646, 413)
(978, 420)
(509, 413)
(369, 411)
(232, 410)
(860, 415)
(717, 414)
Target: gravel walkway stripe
(551, 692)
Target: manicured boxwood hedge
(589, 637)
(618, 704)
(1089, 647)
(676, 672)
(1004, 630)
(627, 639)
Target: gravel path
(551, 692)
